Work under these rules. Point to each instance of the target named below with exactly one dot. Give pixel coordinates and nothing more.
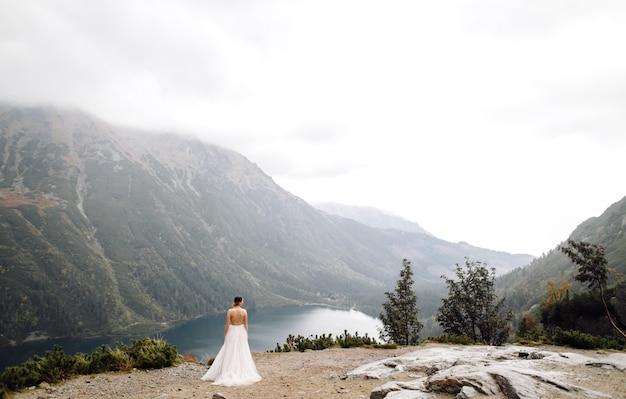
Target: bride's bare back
(237, 316)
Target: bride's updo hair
(237, 301)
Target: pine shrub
(347, 340)
(581, 340)
(152, 353)
(56, 366)
(315, 342)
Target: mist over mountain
(108, 230)
(371, 216)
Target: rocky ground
(313, 374)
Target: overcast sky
(498, 123)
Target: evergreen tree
(471, 308)
(400, 323)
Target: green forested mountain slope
(104, 230)
(525, 287)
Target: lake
(204, 336)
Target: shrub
(82, 364)
(300, 343)
(315, 342)
(105, 359)
(15, 377)
(56, 366)
(347, 340)
(581, 340)
(452, 339)
(152, 353)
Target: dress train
(233, 364)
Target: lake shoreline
(204, 335)
(39, 336)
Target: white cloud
(496, 123)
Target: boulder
(469, 371)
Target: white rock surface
(469, 371)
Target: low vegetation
(148, 353)
(56, 366)
(314, 342)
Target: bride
(233, 364)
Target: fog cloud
(499, 124)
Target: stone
(334, 376)
(468, 371)
(467, 393)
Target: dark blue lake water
(204, 336)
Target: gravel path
(313, 374)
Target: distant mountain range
(107, 230)
(372, 217)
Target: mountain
(371, 216)
(525, 287)
(107, 230)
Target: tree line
(472, 310)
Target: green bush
(82, 364)
(452, 339)
(14, 378)
(150, 353)
(315, 342)
(56, 366)
(581, 340)
(347, 340)
(107, 359)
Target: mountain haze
(108, 230)
(371, 216)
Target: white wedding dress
(233, 364)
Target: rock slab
(468, 371)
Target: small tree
(527, 328)
(555, 306)
(592, 269)
(471, 308)
(555, 293)
(400, 323)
